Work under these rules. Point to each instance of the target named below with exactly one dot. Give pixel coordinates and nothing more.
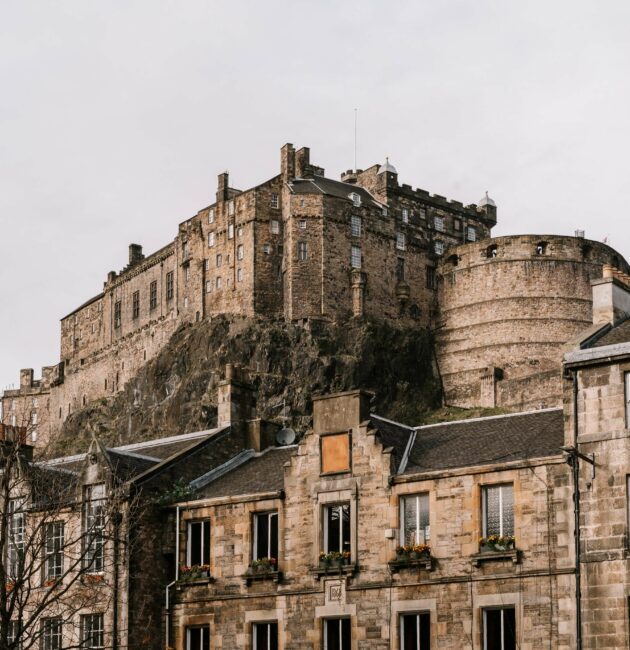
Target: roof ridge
(488, 417)
(132, 454)
(398, 424)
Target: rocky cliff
(176, 392)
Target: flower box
(412, 556)
(496, 543)
(194, 572)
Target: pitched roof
(616, 335)
(481, 441)
(394, 435)
(259, 473)
(330, 187)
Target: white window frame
(355, 225)
(189, 536)
(217, 283)
(230, 231)
(93, 525)
(302, 251)
(269, 514)
(326, 621)
(52, 633)
(219, 260)
(302, 224)
(275, 227)
(211, 215)
(100, 630)
(627, 397)
(208, 286)
(212, 239)
(255, 636)
(355, 257)
(438, 223)
(438, 247)
(53, 548)
(355, 197)
(266, 249)
(427, 531)
(401, 626)
(401, 243)
(484, 501)
(239, 275)
(471, 233)
(275, 200)
(231, 208)
(485, 611)
(405, 215)
(205, 630)
(330, 506)
(240, 252)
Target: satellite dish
(285, 436)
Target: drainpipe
(117, 521)
(575, 466)
(168, 587)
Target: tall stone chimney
(611, 296)
(223, 193)
(287, 162)
(135, 254)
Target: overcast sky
(117, 116)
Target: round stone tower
(507, 308)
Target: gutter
(575, 466)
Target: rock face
(176, 392)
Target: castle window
(405, 215)
(355, 198)
(414, 520)
(275, 226)
(93, 523)
(53, 545)
(239, 275)
(302, 251)
(265, 535)
(471, 234)
(422, 213)
(206, 265)
(231, 231)
(218, 283)
(265, 636)
(498, 510)
(457, 224)
(275, 201)
(337, 528)
(627, 398)
(239, 231)
(231, 208)
(438, 223)
(492, 251)
(355, 257)
(415, 631)
(34, 435)
(51, 633)
(355, 225)
(337, 634)
(186, 302)
(219, 260)
(212, 239)
(153, 295)
(117, 314)
(186, 272)
(33, 418)
(499, 628)
(400, 241)
(135, 304)
(541, 248)
(240, 252)
(431, 277)
(211, 215)
(302, 224)
(92, 632)
(438, 247)
(266, 249)
(198, 543)
(169, 285)
(198, 637)
(208, 286)
(400, 268)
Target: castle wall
(507, 307)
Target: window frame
(356, 225)
(401, 241)
(52, 633)
(337, 619)
(302, 251)
(484, 624)
(484, 509)
(54, 557)
(438, 223)
(117, 314)
(135, 305)
(626, 395)
(89, 630)
(256, 517)
(402, 519)
(274, 226)
(270, 625)
(205, 643)
(405, 215)
(93, 530)
(204, 545)
(153, 295)
(356, 258)
(275, 200)
(16, 537)
(170, 285)
(438, 247)
(325, 528)
(211, 215)
(421, 615)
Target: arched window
(492, 251)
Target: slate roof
(392, 434)
(260, 473)
(481, 441)
(618, 334)
(127, 465)
(330, 187)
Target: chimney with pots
(611, 296)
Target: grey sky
(116, 117)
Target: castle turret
(387, 177)
(488, 206)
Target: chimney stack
(135, 254)
(223, 193)
(611, 296)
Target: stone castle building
(302, 246)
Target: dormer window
(355, 198)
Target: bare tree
(63, 533)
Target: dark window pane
(345, 634)
(195, 543)
(500, 629)
(345, 518)
(509, 629)
(262, 536)
(206, 543)
(332, 514)
(409, 632)
(266, 636)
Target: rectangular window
(302, 251)
(208, 286)
(355, 225)
(51, 633)
(355, 257)
(405, 215)
(153, 295)
(117, 314)
(13, 633)
(240, 252)
(93, 528)
(265, 535)
(499, 629)
(471, 234)
(498, 510)
(415, 631)
(431, 277)
(219, 260)
(54, 535)
(275, 201)
(239, 231)
(457, 225)
(266, 249)
(302, 224)
(414, 520)
(92, 632)
(218, 284)
(185, 250)
(337, 634)
(211, 215)
(438, 223)
(212, 239)
(337, 528)
(231, 208)
(169, 285)
(231, 231)
(186, 272)
(198, 638)
(400, 268)
(16, 542)
(265, 636)
(400, 241)
(135, 304)
(275, 227)
(198, 543)
(438, 247)
(239, 275)
(627, 399)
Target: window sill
(490, 556)
(420, 563)
(340, 569)
(195, 582)
(273, 576)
